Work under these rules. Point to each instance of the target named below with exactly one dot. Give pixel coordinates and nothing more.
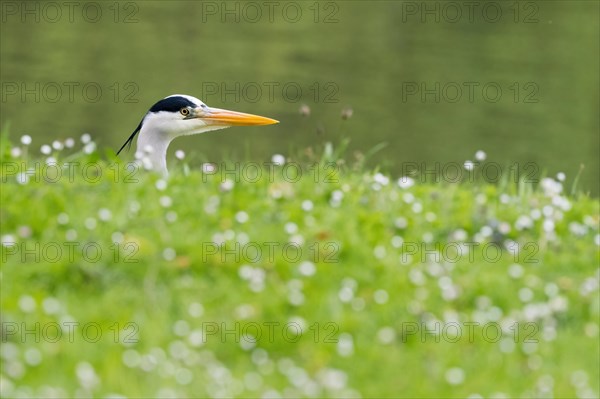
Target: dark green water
(435, 80)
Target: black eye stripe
(172, 104)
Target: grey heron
(181, 115)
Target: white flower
(161, 184)
(165, 201)
(386, 335)
(241, 217)
(307, 268)
(278, 159)
(89, 147)
(548, 225)
(380, 296)
(290, 227)
(345, 345)
(104, 214)
(551, 187)
(86, 375)
(307, 205)
(406, 182)
(209, 168)
(381, 179)
(480, 155)
(26, 139)
(169, 254)
(227, 185)
(523, 222)
(455, 376)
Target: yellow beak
(216, 116)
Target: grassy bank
(312, 277)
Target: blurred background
(435, 81)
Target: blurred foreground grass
(336, 281)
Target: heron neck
(154, 147)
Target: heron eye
(184, 111)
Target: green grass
(364, 286)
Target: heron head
(181, 115)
